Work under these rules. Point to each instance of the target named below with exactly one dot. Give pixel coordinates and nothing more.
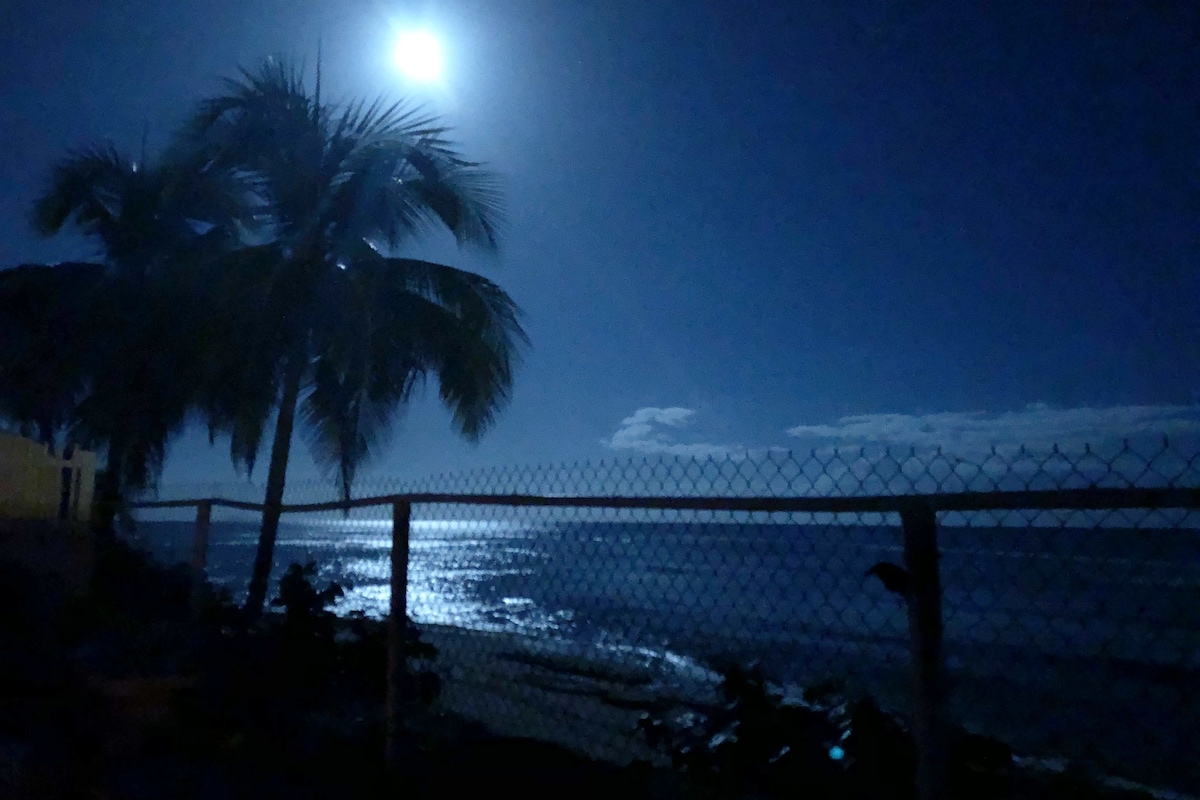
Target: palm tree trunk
(276, 476)
(108, 490)
(46, 433)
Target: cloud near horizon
(653, 430)
(830, 461)
(1036, 426)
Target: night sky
(734, 224)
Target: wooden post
(925, 629)
(397, 675)
(200, 553)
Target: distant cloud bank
(1037, 426)
(658, 430)
(951, 451)
(673, 430)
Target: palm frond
(485, 308)
(273, 94)
(347, 414)
(214, 207)
(360, 378)
(141, 369)
(276, 85)
(46, 335)
(142, 214)
(84, 187)
(244, 336)
(393, 190)
(467, 200)
(401, 119)
(431, 319)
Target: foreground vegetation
(121, 694)
(830, 745)
(124, 693)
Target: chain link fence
(1069, 633)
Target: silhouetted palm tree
(121, 355)
(323, 320)
(45, 327)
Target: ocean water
(1077, 642)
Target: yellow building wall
(31, 479)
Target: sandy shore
(585, 700)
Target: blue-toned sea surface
(1069, 625)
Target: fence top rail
(1094, 499)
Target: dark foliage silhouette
(893, 577)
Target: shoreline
(522, 687)
(588, 700)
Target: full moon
(419, 56)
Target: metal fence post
(397, 674)
(925, 629)
(200, 553)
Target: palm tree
(123, 366)
(45, 317)
(323, 320)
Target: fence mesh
(1068, 634)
